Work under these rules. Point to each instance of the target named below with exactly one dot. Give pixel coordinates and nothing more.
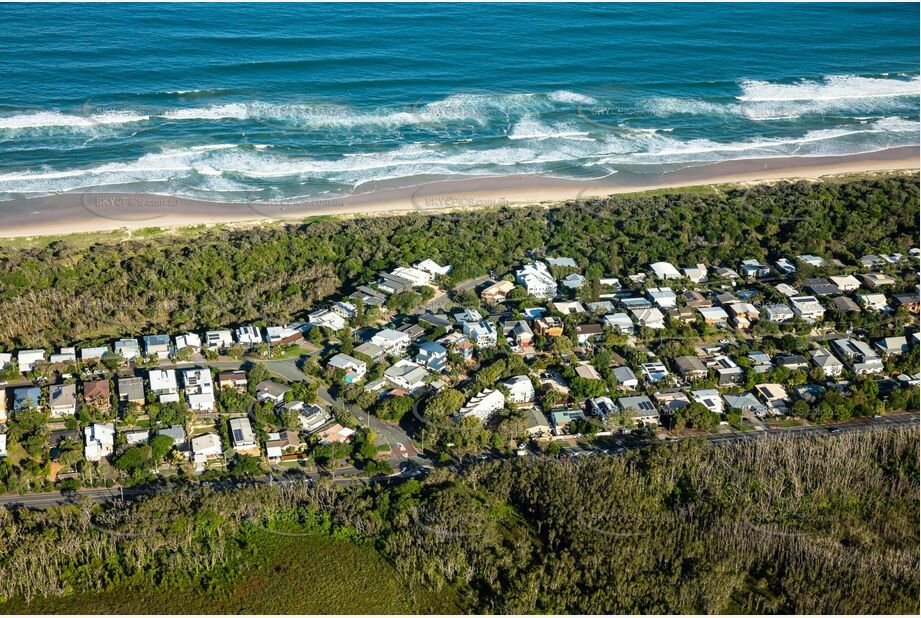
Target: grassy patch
(313, 574)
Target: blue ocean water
(241, 102)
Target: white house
(619, 322)
(188, 340)
(163, 383)
(520, 389)
(95, 353)
(664, 270)
(414, 275)
(664, 297)
(845, 283)
(713, 315)
(391, 341)
(99, 441)
(218, 339)
(650, 318)
(327, 318)
(64, 355)
(432, 355)
(873, 302)
(206, 446)
(537, 280)
(26, 359)
(284, 335)
(654, 372)
(432, 267)
(482, 333)
(808, 308)
(354, 368)
(484, 405)
(241, 434)
(697, 274)
(128, 348)
(777, 313)
(199, 389)
(859, 355)
(62, 399)
(827, 362)
(709, 397)
(249, 335)
(407, 375)
(625, 377)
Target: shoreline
(88, 212)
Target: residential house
(602, 407)
(650, 318)
(284, 335)
(569, 307)
(433, 356)
(695, 300)
(199, 389)
(482, 333)
(177, 433)
(519, 333)
(873, 302)
(600, 307)
(785, 266)
(335, 433)
(242, 437)
(586, 333)
(561, 419)
(134, 437)
(407, 375)
(432, 267)
(188, 340)
(859, 355)
(62, 399)
(267, 390)
(97, 394)
(218, 339)
(821, 287)
(520, 390)
(808, 308)
(372, 351)
(760, 362)
(777, 313)
(714, 315)
(635, 302)
(548, 326)
(743, 310)
(620, 322)
(697, 274)
(368, 296)
(663, 297)
(811, 260)
(94, 353)
(466, 314)
(753, 269)
(827, 362)
(723, 272)
(641, 408)
(876, 280)
(727, 371)
(232, 379)
(344, 309)
(625, 377)
(393, 284)
(127, 348)
(497, 292)
(786, 290)
(26, 359)
(157, 345)
(100, 441)
(392, 341)
(483, 405)
(26, 398)
(562, 262)
(163, 384)
(710, 398)
(792, 361)
(353, 368)
(664, 271)
(745, 402)
(536, 423)
(909, 300)
(131, 390)
(671, 401)
(204, 447)
(725, 299)
(845, 304)
(312, 417)
(322, 317)
(249, 336)
(587, 372)
(65, 355)
(417, 277)
(280, 441)
(654, 372)
(537, 280)
(774, 398)
(893, 345)
(845, 283)
(573, 281)
(690, 368)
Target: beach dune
(69, 213)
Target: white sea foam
(531, 128)
(49, 119)
(566, 96)
(831, 88)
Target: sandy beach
(70, 213)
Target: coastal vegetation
(823, 525)
(222, 277)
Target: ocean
(273, 102)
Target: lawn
(313, 574)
